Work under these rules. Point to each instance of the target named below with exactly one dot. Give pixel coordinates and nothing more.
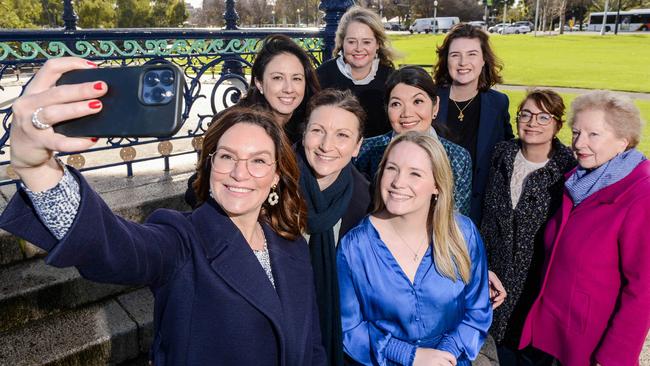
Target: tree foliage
(20, 13)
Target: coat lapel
(232, 259)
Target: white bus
(628, 21)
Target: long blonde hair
(449, 247)
(365, 16)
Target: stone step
(32, 290)
(109, 332)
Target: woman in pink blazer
(594, 303)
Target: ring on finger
(36, 122)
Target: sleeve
(466, 340)
(463, 185)
(190, 195)
(624, 337)
(362, 341)
(103, 246)
(57, 207)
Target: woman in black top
(476, 116)
(362, 61)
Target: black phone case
(124, 114)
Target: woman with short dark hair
(524, 189)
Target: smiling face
(594, 140)
(407, 182)
(465, 61)
(532, 132)
(283, 85)
(238, 192)
(331, 140)
(359, 47)
(410, 109)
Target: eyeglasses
(543, 118)
(224, 162)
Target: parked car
(478, 24)
(427, 25)
(520, 28)
(527, 23)
(497, 27)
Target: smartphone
(142, 101)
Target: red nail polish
(98, 85)
(90, 63)
(95, 104)
(94, 139)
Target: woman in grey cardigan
(524, 189)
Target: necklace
(416, 253)
(461, 116)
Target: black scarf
(324, 210)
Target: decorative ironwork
(215, 63)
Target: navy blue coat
(214, 305)
(493, 127)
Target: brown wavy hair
(343, 99)
(288, 217)
(546, 100)
(491, 73)
(274, 45)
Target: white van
(427, 25)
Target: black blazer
(359, 204)
(214, 304)
(494, 126)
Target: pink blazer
(594, 304)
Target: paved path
(633, 95)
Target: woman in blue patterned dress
(413, 275)
(412, 106)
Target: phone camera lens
(151, 79)
(167, 77)
(158, 94)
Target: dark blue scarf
(583, 183)
(324, 210)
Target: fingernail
(98, 85)
(91, 64)
(95, 104)
(94, 139)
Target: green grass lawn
(580, 61)
(565, 133)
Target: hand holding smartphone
(142, 101)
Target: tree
(20, 13)
(212, 13)
(96, 13)
(52, 13)
(133, 13)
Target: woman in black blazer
(231, 280)
(475, 116)
(337, 197)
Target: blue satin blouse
(385, 317)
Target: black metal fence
(215, 64)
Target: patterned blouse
(373, 149)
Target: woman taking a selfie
(230, 277)
(361, 62)
(413, 275)
(524, 189)
(337, 197)
(475, 116)
(594, 304)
